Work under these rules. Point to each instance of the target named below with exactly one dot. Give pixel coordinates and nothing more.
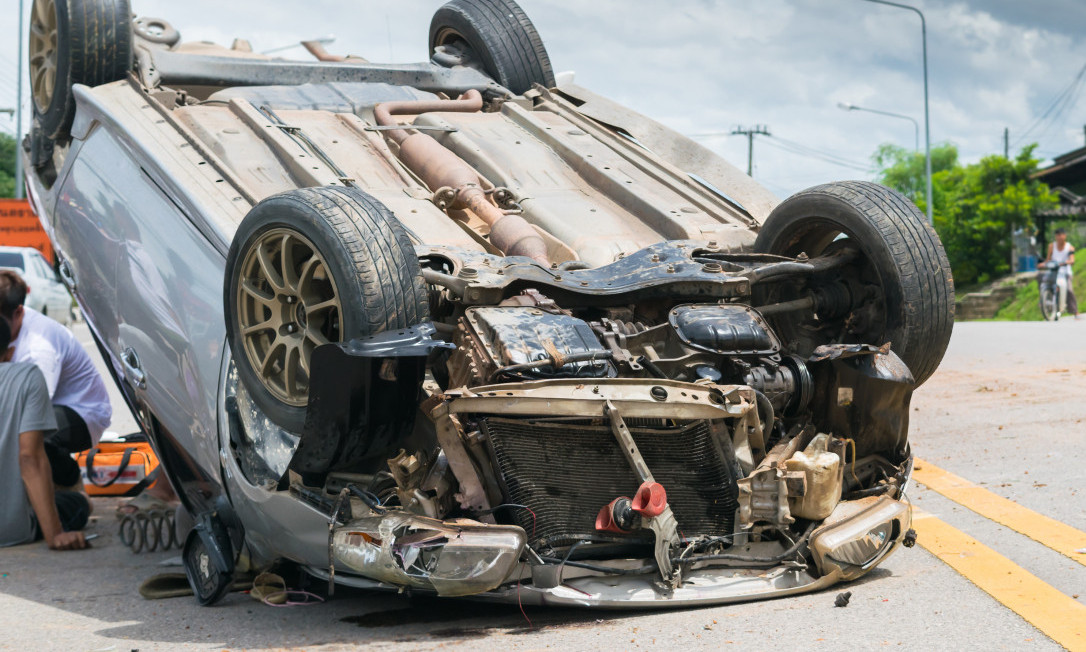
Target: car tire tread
(912, 247)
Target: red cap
(650, 500)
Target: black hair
(1060, 231)
(12, 292)
(5, 334)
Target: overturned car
(456, 328)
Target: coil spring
(151, 530)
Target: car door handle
(133, 370)
(66, 275)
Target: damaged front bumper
(466, 558)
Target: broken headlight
(452, 558)
(859, 533)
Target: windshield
(11, 259)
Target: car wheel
(309, 267)
(74, 42)
(499, 36)
(897, 288)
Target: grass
(1025, 304)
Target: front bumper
(844, 537)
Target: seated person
(81, 404)
(30, 507)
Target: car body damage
(454, 328)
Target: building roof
(1068, 170)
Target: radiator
(565, 472)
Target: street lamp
(847, 106)
(927, 119)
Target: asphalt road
(1003, 415)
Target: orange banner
(19, 227)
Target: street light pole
(927, 118)
(19, 110)
(916, 125)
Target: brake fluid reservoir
(824, 478)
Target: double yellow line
(1059, 616)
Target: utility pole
(1006, 142)
(749, 132)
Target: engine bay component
(724, 328)
(522, 342)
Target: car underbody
(519, 345)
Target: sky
(708, 66)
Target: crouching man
(80, 403)
(30, 507)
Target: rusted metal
(663, 525)
(440, 168)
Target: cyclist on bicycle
(1062, 253)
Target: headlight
(865, 549)
(859, 535)
(453, 558)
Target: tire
(364, 261)
(1047, 302)
(93, 46)
(501, 38)
(902, 270)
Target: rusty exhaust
(439, 167)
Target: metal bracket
(664, 527)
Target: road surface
(998, 429)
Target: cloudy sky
(707, 66)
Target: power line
(839, 158)
(809, 152)
(1064, 99)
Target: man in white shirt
(30, 507)
(80, 402)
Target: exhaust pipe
(438, 167)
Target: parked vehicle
(450, 327)
(47, 294)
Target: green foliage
(7, 165)
(903, 169)
(976, 207)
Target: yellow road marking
(1060, 617)
(1046, 531)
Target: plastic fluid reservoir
(824, 478)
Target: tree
(976, 207)
(7, 166)
(903, 169)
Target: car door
(171, 329)
(85, 234)
(158, 301)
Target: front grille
(566, 472)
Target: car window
(12, 259)
(42, 267)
